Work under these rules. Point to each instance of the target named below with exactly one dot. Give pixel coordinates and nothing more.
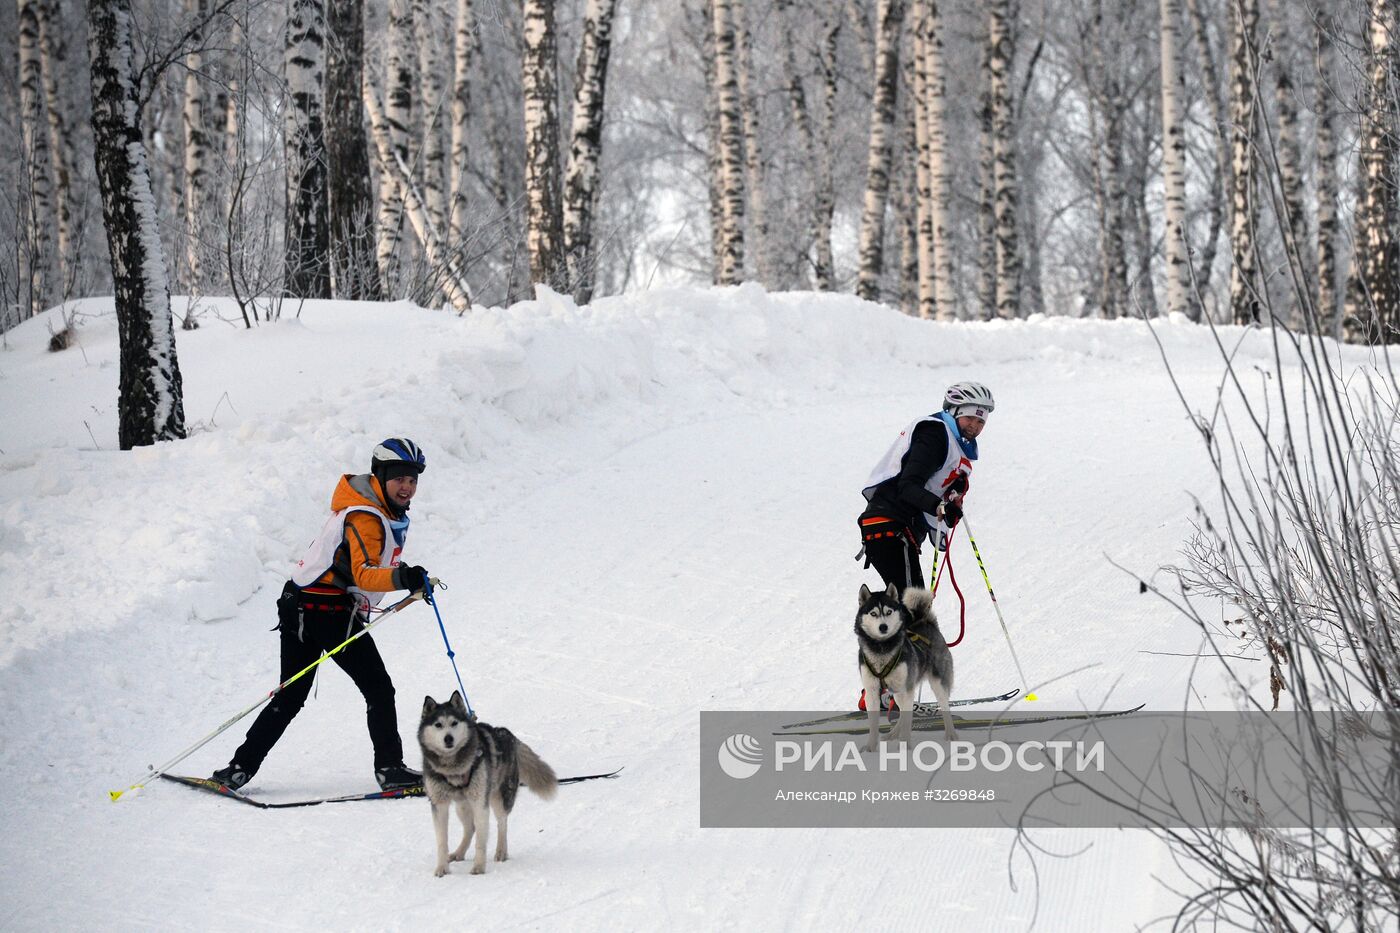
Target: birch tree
(922, 107)
(730, 137)
(463, 42)
(986, 193)
(1325, 172)
(890, 14)
(1008, 257)
(432, 96)
(586, 146)
(198, 168)
(1373, 282)
(1219, 178)
(1174, 164)
(307, 246)
(35, 155)
(753, 150)
(824, 268)
(1244, 20)
(940, 169)
(61, 143)
(354, 273)
(544, 236)
(398, 118)
(150, 403)
(1294, 223)
(806, 134)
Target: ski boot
(886, 702)
(233, 777)
(397, 777)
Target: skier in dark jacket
(345, 571)
(916, 490)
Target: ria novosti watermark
(1145, 769)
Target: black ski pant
(310, 624)
(891, 550)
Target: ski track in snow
(632, 530)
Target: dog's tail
(919, 601)
(535, 774)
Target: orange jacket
(357, 559)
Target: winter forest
(1234, 160)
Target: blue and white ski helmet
(397, 456)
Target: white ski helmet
(397, 456)
(968, 398)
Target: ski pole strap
(451, 655)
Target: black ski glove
(951, 513)
(958, 486)
(412, 578)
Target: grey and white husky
(900, 647)
(473, 765)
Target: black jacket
(903, 497)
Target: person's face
(400, 489)
(971, 425)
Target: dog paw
(457, 857)
(501, 856)
(479, 869)
(440, 871)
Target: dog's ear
(428, 703)
(864, 594)
(892, 591)
(457, 703)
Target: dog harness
(880, 675)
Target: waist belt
(876, 527)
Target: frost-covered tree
(1174, 161)
(586, 146)
(62, 146)
(398, 119)
(459, 166)
(1244, 295)
(1325, 172)
(890, 17)
(544, 237)
(150, 403)
(730, 136)
(35, 155)
(1001, 39)
(354, 274)
(307, 236)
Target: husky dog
(471, 764)
(900, 647)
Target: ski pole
(156, 772)
(451, 655)
(992, 593)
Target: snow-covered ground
(643, 509)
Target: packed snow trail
(643, 509)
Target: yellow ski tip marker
(1031, 698)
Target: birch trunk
(1174, 165)
(398, 117)
(586, 147)
(354, 272)
(1325, 172)
(307, 245)
(753, 153)
(713, 165)
(731, 159)
(940, 169)
(463, 44)
(38, 212)
(394, 169)
(195, 125)
(1008, 257)
(150, 403)
(1294, 223)
(921, 105)
(544, 235)
(432, 97)
(877, 186)
(986, 196)
(1219, 179)
(806, 135)
(1244, 299)
(1373, 283)
(825, 268)
(52, 47)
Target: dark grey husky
(900, 647)
(473, 765)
